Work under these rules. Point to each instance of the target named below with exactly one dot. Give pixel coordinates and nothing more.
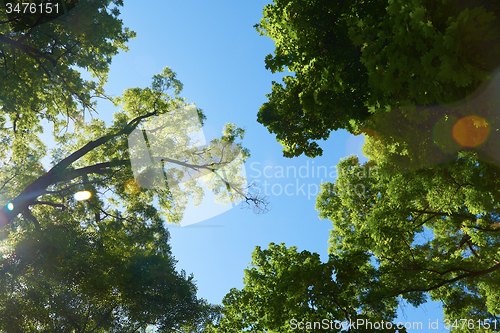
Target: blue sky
(219, 57)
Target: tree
(389, 218)
(40, 57)
(285, 289)
(96, 264)
(353, 59)
(104, 264)
(432, 134)
(210, 315)
(115, 275)
(100, 158)
(425, 137)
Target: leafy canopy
(353, 59)
(41, 62)
(103, 264)
(284, 287)
(432, 231)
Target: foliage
(353, 59)
(102, 264)
(434, 230)
(284, 284)
(312, 41)
(40, 62)
(427, 136)
(210, 315)
(115, 275)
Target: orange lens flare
(471, 131)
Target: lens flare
(10, 206)
(471, 131)
(82, 195)
(131, 187)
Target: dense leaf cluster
(434, 230)
(284, 287)
(352, 59)
(40, 63)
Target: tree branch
(60, 173)
(460, 277)
(36, 202)
(27, 213)
(29, 50)
(106, 316)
